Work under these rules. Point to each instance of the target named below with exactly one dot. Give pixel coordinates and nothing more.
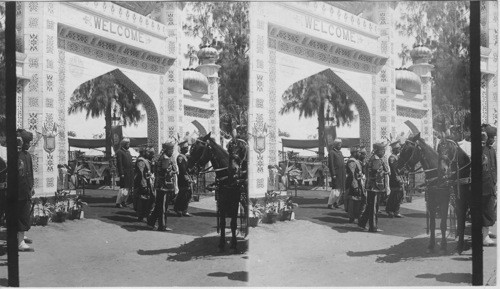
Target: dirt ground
(321, 248)
(111, 248)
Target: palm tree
(96, 97)
(310, 96)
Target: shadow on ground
(313, 207)
(101, 206)
(238, 275)
(455, 278)
(199, 248)
(409, 250)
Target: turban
(25, 135)
(380, 145)
(491, 131)
(167, 145)
(124, 141)
(183, 144)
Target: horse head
(199, 153)
(409, 155)
(447, 152)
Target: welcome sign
(108, 27)
(115, 28)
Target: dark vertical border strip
(10, 113)
(476, 167)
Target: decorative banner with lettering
(107, 27)
(115, 28)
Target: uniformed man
(336, 166)
(238, 150)
(489, 198)
(125, 169)
(375, 186)
(184, 182)
(354, 185)
(165, 172)
(395, 184)
(25, 188)
(143, 188)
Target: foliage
(96, 98)
(225, 26)
(72, 133)
(311, 96)
(444, 28)
(283, 133)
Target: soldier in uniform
(395, 184)
(375, 186)
(489, 198)
(164, 184)
(337, 172)
(125, 169)
(354, 185)
(237, 149)
(184, 182)
(143, 189)
(25, 188)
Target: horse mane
(220, 152)
(431, 155)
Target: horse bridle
(405, 165)
(207, 150)
(454, 159)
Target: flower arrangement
(61, 205)
(76, 208)
(42, 210)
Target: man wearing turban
(125, 169)
(375, 186)
(25, 188)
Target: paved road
(110, 248)
(321, 248)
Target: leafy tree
(444, 28)
(97, 96)
(310, 96)
(225, 26)
(283, 133)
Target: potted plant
(76, 209)
(61, 204)
(286, 213)
(255, 213)
(42, 210)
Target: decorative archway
(147, 103)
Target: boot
(486, 239)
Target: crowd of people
(149, 185)
(361, 185)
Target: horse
(437, 195)
(228, 190)
(455, 167)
